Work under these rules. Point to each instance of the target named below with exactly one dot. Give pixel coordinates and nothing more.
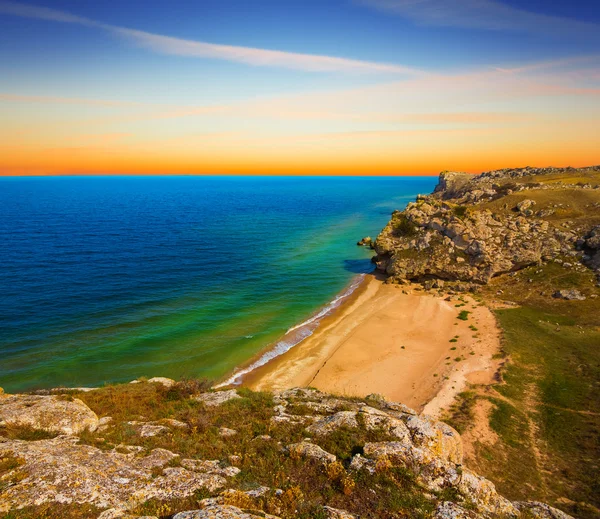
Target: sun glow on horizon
(175, 105)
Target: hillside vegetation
(526, 242)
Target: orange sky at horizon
(476, 121)
(114, 90)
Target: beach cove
(405, 344)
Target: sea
(106, 279)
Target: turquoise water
(106, 279)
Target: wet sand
(394, 341)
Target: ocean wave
(295, 335)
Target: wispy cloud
(482, 14)
(258, 57)
(199, 49)
(43, 13)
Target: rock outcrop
(391, 436)
(65, 471)
(60, 414)
(453, 236)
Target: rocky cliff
(329, 457)
(473, 228)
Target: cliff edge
(473, 228)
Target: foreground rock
(222, 512)
(386, 436)
(59, 414)
(217, 397)
(61, 470)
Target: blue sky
(91, 50)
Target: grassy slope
(546, 411)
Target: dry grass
(306, 485)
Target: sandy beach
(403, 343)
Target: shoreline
(396, 341)
(293, 336)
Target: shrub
(404, 227)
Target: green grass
(463, 315)
(460, 414)
(551, 384)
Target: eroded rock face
(61, 414)
(61, 470)
(443, 237)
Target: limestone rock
(539, 510)
(210, 467)
(569, 295)
(167, 382)
(61, 470)
(336, 513)
(217, 397)
(118, 513)
(439, 438)
(331, 423)
(443, 237)
(525, 205)
(50, 413)
(483, 493)
(376, 419)
(449, 510)
(222, 512)
(310, 450)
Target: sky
(348, 87)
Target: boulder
(331, 423)
(60, 414)
(525, 205)
(336, 513)
(167, 382)
(222, 512)
(569, 295)
(437, 437)
(375, 419)
(311, 451)
(217, 397)
(449, 510)
(483, 493)
(538, 510)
